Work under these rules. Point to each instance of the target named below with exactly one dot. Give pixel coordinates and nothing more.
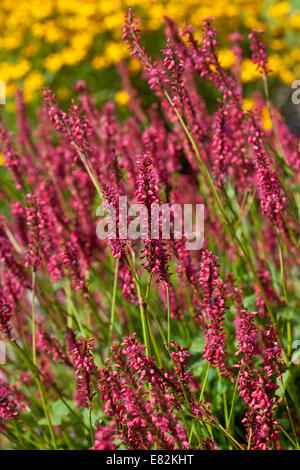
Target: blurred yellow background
(52, 38)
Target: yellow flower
(77, 25)
(11, 41)
(134, 65)
(121, 97)
(32, 85)
(114, 51)
(277, 44)
(226, 57)
(20, 68)
(52, 33)
(53, 62)
(253, 22)
(267, 122)
(11, 72)
(108, 7)
(249, 71)
(42, 9)
(72, 55)
(1, 159)
(295, 22)
(10, 90)
(10, 106)
(275, 63)
(287, 76)
(100, 62)
(248, 103)
(38, 30)
(81, 40)
(279, 10)
(113, 21)
(294, 56)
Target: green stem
(45, 408)
(91, 426)
(230, 437)
(288, 436)
(15, 441)
(204, 382)
(289, 414)
(284, 288)
(33, 320)
(200, 399)
(233, 402)
(169, 314)
(224, 398)
(90, 170)
(142, 309)
(113, 300)
(249, 440)
(71, 308)
(36, 372)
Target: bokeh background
(56, 42)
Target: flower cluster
(154, 251)
(5, 315)
(214, 294)
(8, 406)
(70, 259)
(104, 439)
(85, 369)
(143, 399)
(258, 49)
(256, 387)
(271, 194)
